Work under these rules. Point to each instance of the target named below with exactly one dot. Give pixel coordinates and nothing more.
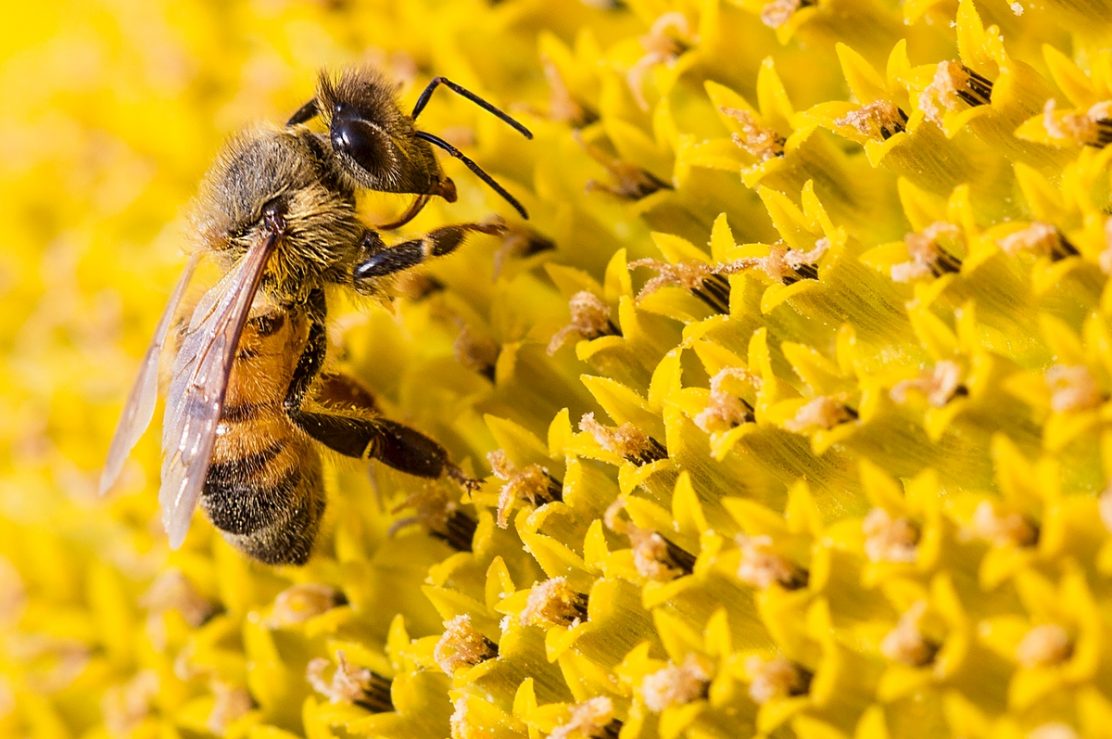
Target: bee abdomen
(267, 502)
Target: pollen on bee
(590, 318)
(775, 677)
(906, 643)
(878, 121)
(626, 440)
(592, 718)
(462, 645)
(675, 685)
(554, 603)
(531, 482)
(890, 538)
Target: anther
(626, 440)
(590, 318)
(462, 645)
(675, 685)
(554, 603)
(531, 482)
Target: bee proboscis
(248, 402)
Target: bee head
(375, 144)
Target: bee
(248, 404)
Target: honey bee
(247, 400)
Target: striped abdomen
(264, 487)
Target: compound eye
(363, 142)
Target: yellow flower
(790, 400)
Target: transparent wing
(144, 393)
(197, 386)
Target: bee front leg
(358, 430)
(409, 254)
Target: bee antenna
(437, 141)
(423, 100)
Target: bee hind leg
(356, 429)
(408, 254)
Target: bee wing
(144, 393)
(197, 386)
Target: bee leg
(409, 254)
(358, 431)
(306, 112)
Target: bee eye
(361, 141)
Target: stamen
(171, 591)
(877, 121)
(562, 106)
(1002, 527)
(532, 483)
(554, 603)
(762, 142)
(1073, 388)
(1104, 505)
(519, 241)
(230, 702)
(660, 47)
(476, 352)
(704, 281)
(1091, 128)
(654, 557)
(890, 538)
(824, 413)
(299, 603)
(592, 718)
(124, 707)
(350, 684)
(462, 645)
(675, 685)
(726, 410)
(1039, 238)
(630, 181)
(1044, 646)
(590, 318)
(762, 566)
(440, 515)
(627, 441)
(940, 384)
(953, 85)
(906, 643)
(778, 12)
(776, 677)
(930, 252)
